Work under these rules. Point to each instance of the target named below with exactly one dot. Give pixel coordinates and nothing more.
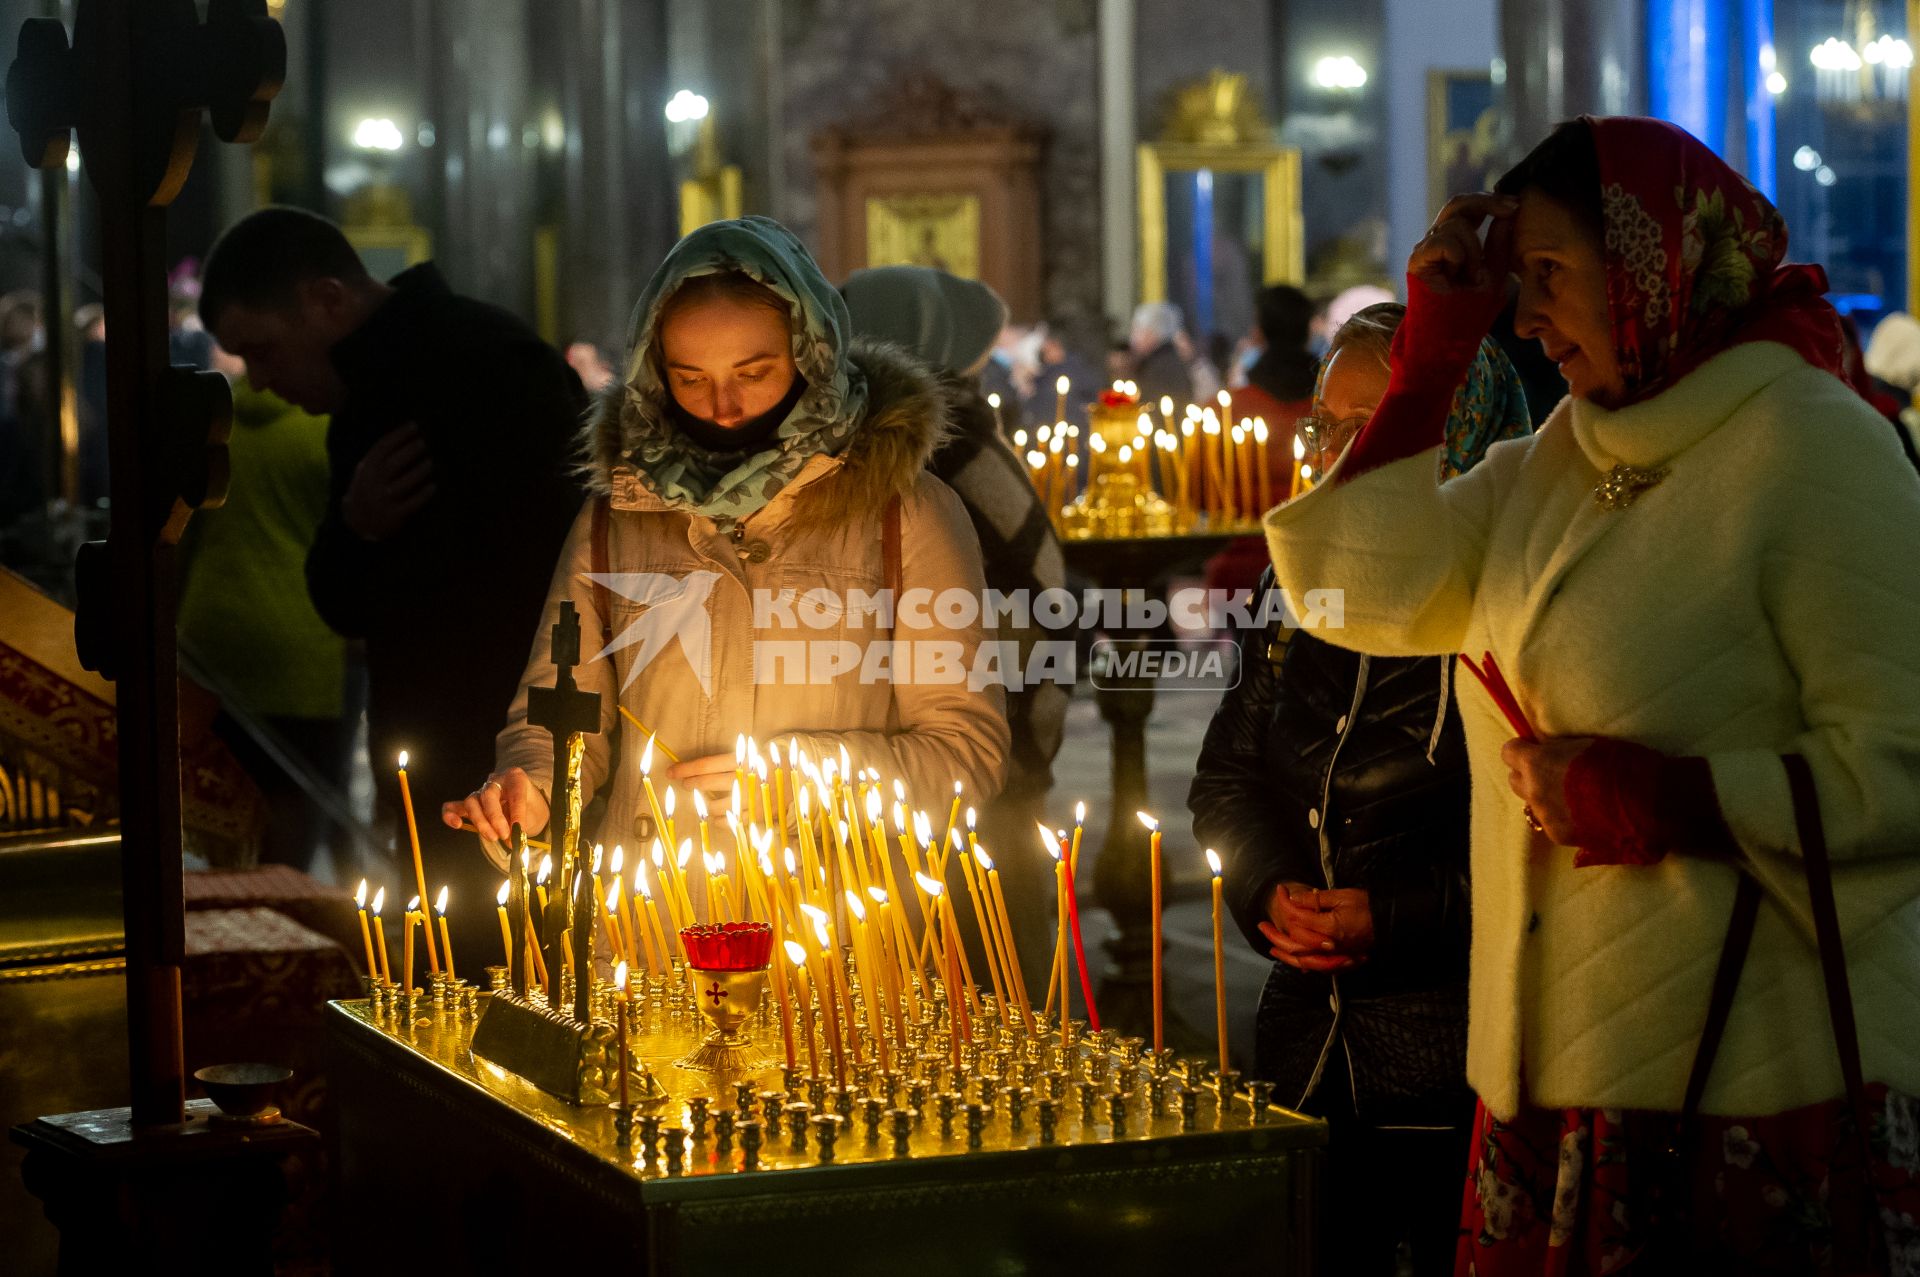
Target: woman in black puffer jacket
(1334, 787)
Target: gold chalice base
(728, 999)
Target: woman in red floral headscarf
(1707, 557)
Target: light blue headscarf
(677, 470)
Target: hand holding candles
(1219, 965)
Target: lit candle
(380, 934)
(610, 919)
(656, 942)
(1153, 869)
(798, 956)
(627, 927)
(780, 989)
(830, 1000)
(1060, 387)
(1219, 963)
(993, 402)
(869, 976)
(1057, 981)
(1017, 976)
(506, 932)
(1260, 466)
(620, 1024)
(446, 941)
(540, 882)
(366, 933)
(1073, 919)
(407, 919)
(413, 837)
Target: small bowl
(242, 1090)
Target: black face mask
(748, 437)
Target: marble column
(1568, 57)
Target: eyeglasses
(1323, 440)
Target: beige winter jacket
(822, 532)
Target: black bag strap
(1726, 981)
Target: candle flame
(812, 911)
(1225, 400)
(613, 896)
(403, 760)
(793, 869)
(440, 903)
(932, 886)
(766, 861)
(1166, 405)
(846, 762)
(740, 749)
(501, 895)
(620, 976)
(1061, 385)
(953, 836)
(685, 854)
(899, 819)
(667, 802)
(646, 755)
(858, 910)
(1213, 861)
(1299, 448)
(659, 854)
(619, 859)
(805, 800)
(526, 860)
(986, 861)
(774, 749)
(820, 932)
(1048, 841)
(413, 905)
(762, 840)
(379, 899)
(969, 818)
(993, 400)
(599, 854)
(878, 895)
(699, 804)
(1079, 813)
(360, 896)
(733, 804)
(1259, 429)
(1306, 472)
(1148, 821)
(922, 827)
(546, 870)
(795, 954)
(874, 803)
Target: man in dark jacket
(448, 454)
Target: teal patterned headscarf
(729, 487)
(1491, 405)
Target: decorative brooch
(1624, 484)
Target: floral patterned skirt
(1561, 1193)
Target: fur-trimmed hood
(903, 422)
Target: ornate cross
(134, 84)
(568, 714)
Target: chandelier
(1867, 68)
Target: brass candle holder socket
(750, 1138)
(900, 1123)
(826, 1132)
(799, 1113)
(697, 1116)
(1260, 1096)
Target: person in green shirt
(246, 622)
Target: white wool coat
(1763, 599)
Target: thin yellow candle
(506, 932)
(706, 847)
(1153, 871)
(1060, 974)
(830, 1002)
(446, 941)
(647, 732)
(617, 867)
(869, 977)
(648, 922)
(798, 957)
(983, 920)
(366, 932)
(1219, 963)
(413, 837)
(380, 934)
(780, 990)
(620, 1025)
(609, 906)
(408, 917)
(666, 897)
(1260, 463)
(1006, 934)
